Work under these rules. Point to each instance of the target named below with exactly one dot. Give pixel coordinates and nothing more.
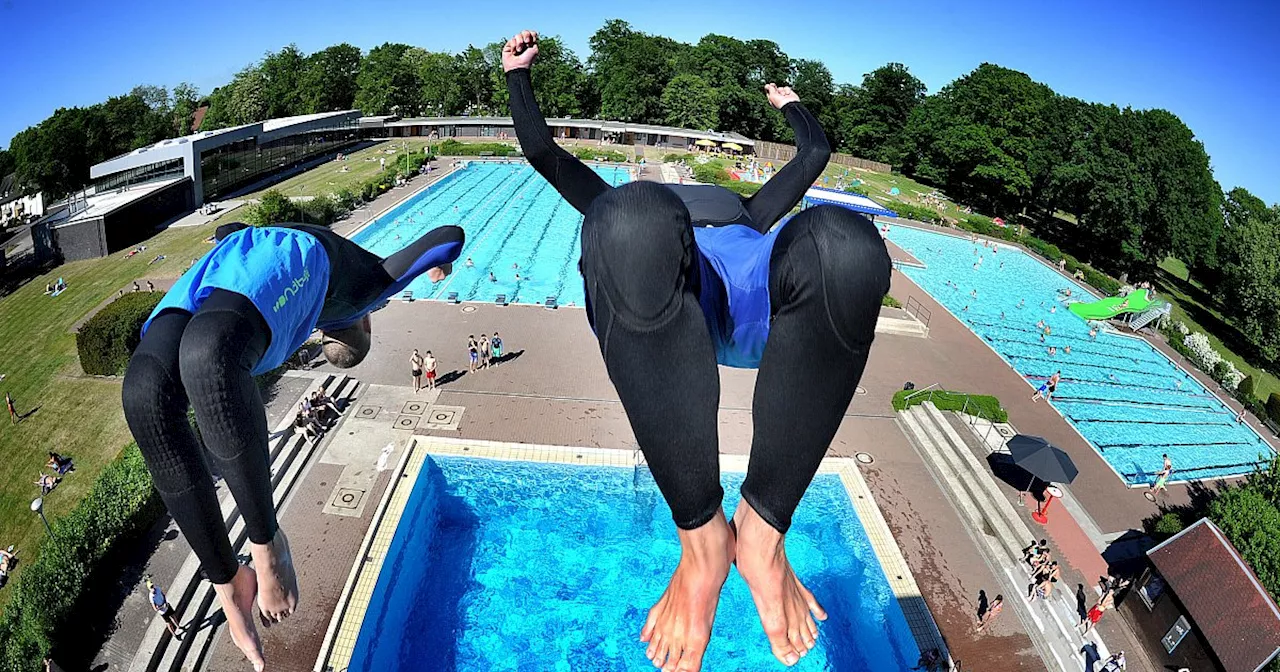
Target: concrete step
(999, 530)
(289, 453)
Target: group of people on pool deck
(693, 276)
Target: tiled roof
(1221, 594)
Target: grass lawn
(1193, 305)
(76, 415)
(328, 178)
(880, 185)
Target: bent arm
(577, 183)
(784, 190)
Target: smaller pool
(500, 565)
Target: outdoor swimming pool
(511, 216)
(1123, 395)
(504, 565)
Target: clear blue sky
(1216, 65)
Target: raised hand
(778, 95)
(520, 51)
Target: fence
(914, 307)
(779, 152)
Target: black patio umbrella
(1042, 460)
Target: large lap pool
(512, 217)
(505, 565)
(1123, 395)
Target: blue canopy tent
(845, 199)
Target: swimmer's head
(347, 347)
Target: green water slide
(1136, 302)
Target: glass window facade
(239, 164)
(163, 170)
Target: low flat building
(135, 193)
(616, 132)
(1200, 606)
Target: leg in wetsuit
(649, 286)
(206, 357)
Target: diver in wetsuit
(240, 311)
(680, 278)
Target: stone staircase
(191, 595)
(948, 449)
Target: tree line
(1118, 187)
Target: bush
(273, 208)
(1252, 524)
(452, 147)
(858, 189)
(319, 210)
(708, 173)
(107, 341)
(974, 404)
(918, 213)
(121, 505)
(1167, 525)
(890, 302)
(1273, 406)
(597, 154)
(1101, 281)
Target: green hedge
(107, 340)
(275, 208)
(974, 404)
(889, 301)
(452, 147)
(1273, 406)
(44, 610)
(597, 154)
(916, 212)
(858, 189)
(710, 173)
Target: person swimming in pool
(693, 276)
(242, 310)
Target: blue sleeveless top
(737, 308)
(284, 272)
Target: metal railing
(914, 307)
(974, 415)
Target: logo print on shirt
(292, 290)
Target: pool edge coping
(892, 563)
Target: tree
(871, 117)
(472, 69)
(688, 102)
(632, 70)
(186, 99)
(1252, 524)
(283, 71)
(440, 92)
(816, 88)
(329, 79)
(248, 102)
(7, 163)
(1250, 284)
(387, 82)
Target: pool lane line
(520, 189)
(1108, 383)
(1045, 343)
(1154, 422)
(483, 179)
(472, 213)
(510, 231)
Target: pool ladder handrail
(964, 408)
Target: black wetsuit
(206, 357)
(659, 308)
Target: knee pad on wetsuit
(636, 247)
(840, 254)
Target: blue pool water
(511, 216)
(525, 566)
(1121, 393)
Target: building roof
(1221, 595)
(852, 201)
(197, 117)
(614, 126)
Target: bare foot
(679, 625)
(237, 605)
(278, 595)
(783, 602)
